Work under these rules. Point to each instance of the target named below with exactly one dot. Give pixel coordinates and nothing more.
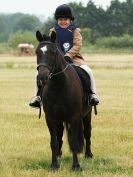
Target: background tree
(80, 15)
(129, 15)
(27, 23)
(47, 25)
(3, 30)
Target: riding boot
(93, 98)
(36, 100)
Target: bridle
(52, 74)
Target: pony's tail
(75, 137)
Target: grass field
(24, 139)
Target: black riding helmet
(64, 11)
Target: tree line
(95, 21)
(12, 23)
(116, 20)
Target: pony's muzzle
(42, 80)
(43, 75)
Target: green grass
(24, 139)
(90, 49)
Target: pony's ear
(53, 37)
(39, 36)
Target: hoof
(76, 168)
(54, 167)
(88, 156)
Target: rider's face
(63, 22)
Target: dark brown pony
(62, 98)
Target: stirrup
(93, 100)
(95, 110)
(35, 102)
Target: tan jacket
(73, 53)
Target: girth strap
(40, 112)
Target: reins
(52, 74)
(55, 74)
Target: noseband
(52, 74)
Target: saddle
(85, 79)
(86, 84)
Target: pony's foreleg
(54, 145)
(75, 139)
(87, 135)
(76, 165)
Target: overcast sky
(41, 7)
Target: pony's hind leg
(60, 130)
(87, 135)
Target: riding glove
(68, 59)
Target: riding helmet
(64, 11)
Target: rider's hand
(68, 59)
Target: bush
(4, 48)
(125, 41)
(22, 37)
(86, 35)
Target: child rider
(69, 40)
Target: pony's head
(46, 56)
(46, 48)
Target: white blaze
(44, 49)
